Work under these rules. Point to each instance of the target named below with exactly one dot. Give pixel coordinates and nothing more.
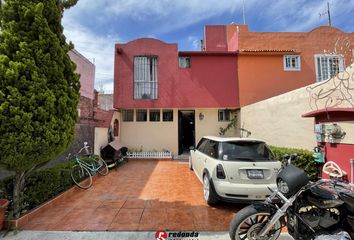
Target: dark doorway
(186, 130)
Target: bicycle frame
(91, 167)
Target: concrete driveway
(140, 195)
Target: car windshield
(246, 151)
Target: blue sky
(94, 26)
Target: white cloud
(195, 42)
(170, 14)
(156, 17)
(98, 49)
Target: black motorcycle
(310, 210)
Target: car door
(198, 159)
(210, 159)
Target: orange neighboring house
(272, 63)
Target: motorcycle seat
(348, 199)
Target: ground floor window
(167, 115)
(128, 115)
(224, 115)
(154, 115)
(141, 115)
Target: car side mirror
(192, 148)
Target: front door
(186, 130)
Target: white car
(234, 169)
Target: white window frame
(297, 59)
(320, 75)
(145, 77)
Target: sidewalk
(93, 235)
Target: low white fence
(149, 155)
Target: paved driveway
(140, 195)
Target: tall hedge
(305, 160)
(39, 91)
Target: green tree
(39, 91)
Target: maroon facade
(209, 82)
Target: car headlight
(283, 186)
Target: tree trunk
(17, 192)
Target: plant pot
(3, 206)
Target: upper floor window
(145, 77)
(224, 115)
(292, 63)
(128, 115)
(184, 62)
(328, 66)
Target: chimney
(95, 100)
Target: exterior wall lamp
(201, 116)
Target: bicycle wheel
(81, 176)
(103, 170)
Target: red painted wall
(339, 153)
(210, 82)
(215, 38)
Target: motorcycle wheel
(248, 222)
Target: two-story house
(169, 99)
(272, 63)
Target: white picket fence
(149, 155)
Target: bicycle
(82, 171)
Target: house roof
(103, 118)
(207, 53)
(328, 111)
(267, 51)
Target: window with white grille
(328, 66)
(292, 63)
(145, 77)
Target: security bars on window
(328, 66)
(145, 77)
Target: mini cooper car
(234, 169)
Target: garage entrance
(186, 130)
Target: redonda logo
(161, 235)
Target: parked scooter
(310, 210)
(114, 158)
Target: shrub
(41, 185)
(304, 160)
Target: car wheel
(208, 190)
(190, 163)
